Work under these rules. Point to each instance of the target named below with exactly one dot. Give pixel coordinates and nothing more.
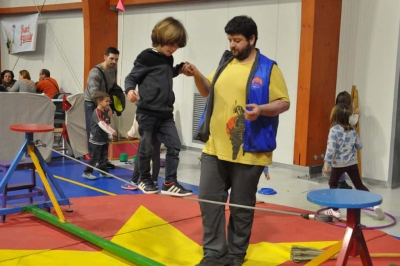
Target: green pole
(92, 238)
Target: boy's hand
(189, 69)
(133, 96)
(115, 133)
(128, 137)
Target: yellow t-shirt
(227, 120)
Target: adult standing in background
(95, 82)
(24, 84)
(7, 79)
(245, 95)
(47, 84)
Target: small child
(341, 153)
(153, 71)
(100, 135)
(345, 98)
(132, 134)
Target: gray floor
(292, 186)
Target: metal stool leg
(4, 204)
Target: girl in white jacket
(341, 153)
(345, 98)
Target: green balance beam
(92, 238)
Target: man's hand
(189, 69)
(133, 96)
(128, 137)
(253, 113)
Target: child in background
(153, 72)
(345, 98)
(266, 173)
(341, 153)
(100, 135)
(132, 134)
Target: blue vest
(259, 135)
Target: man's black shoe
(110, 165)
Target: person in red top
(46, 84)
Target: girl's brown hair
(340, 116)
(25, 74)
(169, 31)
(344, 97)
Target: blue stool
(353, 243)
(29, 148)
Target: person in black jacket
(153, 71)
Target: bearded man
(245, 95)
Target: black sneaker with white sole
(175, 189)
(148, 187)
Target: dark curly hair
(5, 72)
(242, 25)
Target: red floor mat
(105, 215)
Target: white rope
(122, 48)
(58, 45)
(39, 143)
(242, 206)
(320, 217)
(19, 55)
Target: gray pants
(155, 159)
(216, 178)
(98, 158)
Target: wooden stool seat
(58, 130)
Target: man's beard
(242, 55)
(111, 65)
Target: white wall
(369, 43)
(279, 38)
(17, 3)
(59, 48)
